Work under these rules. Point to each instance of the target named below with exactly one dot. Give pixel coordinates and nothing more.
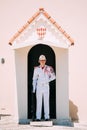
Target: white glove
(34, 88)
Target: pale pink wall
(71, 15)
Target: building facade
(14, 65)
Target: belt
(43, 84)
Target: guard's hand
(33, 91)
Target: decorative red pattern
(41, 32)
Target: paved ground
(14, 126)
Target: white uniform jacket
(42, 76)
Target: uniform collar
(42, 67)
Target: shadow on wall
(73, 110)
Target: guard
(43, 74)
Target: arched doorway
(33, 55)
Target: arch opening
(33, 55)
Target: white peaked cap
(42, 57)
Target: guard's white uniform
(41, 79)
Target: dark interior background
(33, 56)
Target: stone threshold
(41, 123)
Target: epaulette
(50, 68)
(36, 67)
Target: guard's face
(42, 62)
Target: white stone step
(41, 123)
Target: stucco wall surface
(71, 15)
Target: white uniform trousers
(42, 92)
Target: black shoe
(47, 119)
(37, 119)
